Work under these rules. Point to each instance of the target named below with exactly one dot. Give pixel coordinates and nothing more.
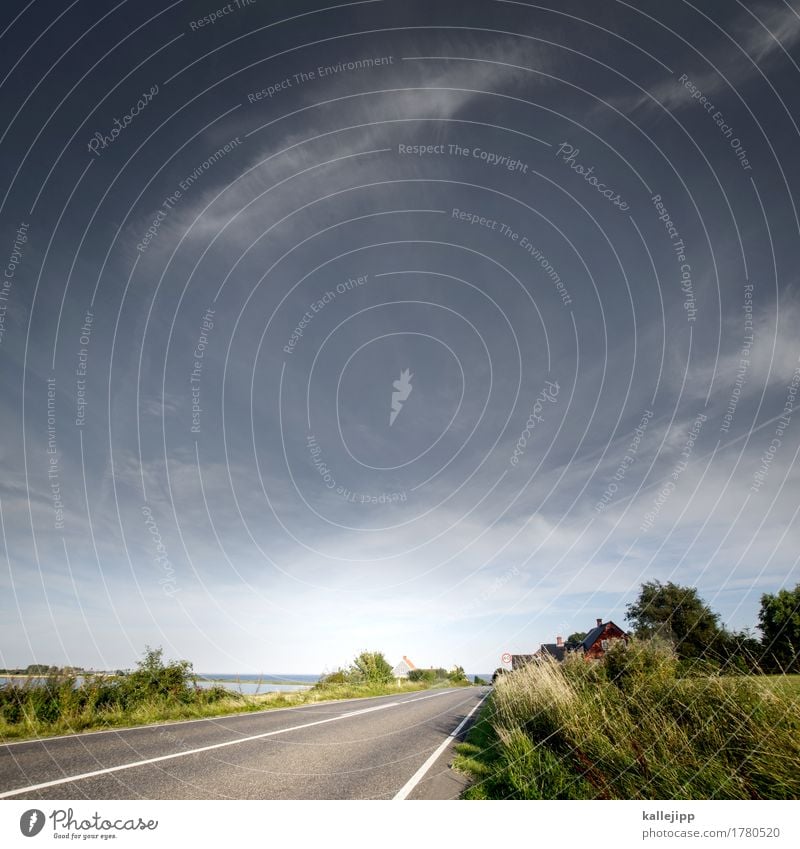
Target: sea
(250, 685)
(283, 683)
(246, 684)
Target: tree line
(371, 667)
(677, 614)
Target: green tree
(577, 638)
(779, 623)
(372, 667)
(737, 652)
(677, 614)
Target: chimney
(599, 622)
(559, 641)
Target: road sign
(506, 658)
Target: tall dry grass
(629, 728)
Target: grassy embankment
(57, 707)
(161, 692)
(630, 729)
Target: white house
(403, 668)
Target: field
(630, 729)
(786, 685)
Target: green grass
(478, 757)
(35, 717)
(632, 730)
(786, 685)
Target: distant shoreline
(219, 678)
(43, 675)
(253, 679)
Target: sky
(427, 328)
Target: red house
(597, 641)
(593, 646)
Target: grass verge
(32, 715)
(629, 729)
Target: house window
(604, 645)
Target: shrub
(153, 678)
(340, 676)
(11, 703)
(61, 700)
(217, 693)
(426, 675)
(371, 667)
(640, 663)
(457, 675)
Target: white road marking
(120, 767)
(415, 779)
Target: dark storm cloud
(568, 228)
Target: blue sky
(574, 227)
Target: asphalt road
(378, 748)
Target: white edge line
(415, 779)
(81, 776)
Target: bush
(340, 676)
(457, 675)
(44, 703)
(217, 693)
(436, 676)
(426, 675)
(11, 704)
(153, 678)
(59, 699)
(640, 663)
(371, 667)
